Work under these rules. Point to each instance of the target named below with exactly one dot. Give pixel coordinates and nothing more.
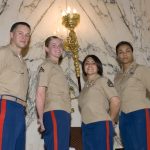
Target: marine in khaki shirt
(52, 77)
(132, 84)
(95, 98)
(52, 99)
(99, 105)
(13, 73)
(13, 88)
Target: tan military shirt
(52, 77)
(131, 86)
(94, 100)
(13, 73)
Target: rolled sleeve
(109, 89)
(145, 77)
(44, 75)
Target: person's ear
(11, 35)
(46, 49)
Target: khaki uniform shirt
(94, 100)
(132, 86)
(13, 73)
(52, 77)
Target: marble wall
(103, 24)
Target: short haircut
(49, 39)
(98, 64)
(14, 26)
(123, 43)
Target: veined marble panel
(103, 24)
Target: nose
(23, 37)
(124, 53)
(57, 47)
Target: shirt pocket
(18, 70)
(132, 81)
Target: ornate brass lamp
(70, 20)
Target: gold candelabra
(70, 21)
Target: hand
(40, 122)
(114, 124)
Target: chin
(58, 56)
(23, 46)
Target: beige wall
(103, 24)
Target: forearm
(40, 108)
(40, 102)
(114, 108)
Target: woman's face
(90, 67)
(55, 48)
(125, 54)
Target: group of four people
(100, 101)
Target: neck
(126, 66)
(17, 49)
(91, 77)
(54, 59)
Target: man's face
(125, 54)
(20, 37)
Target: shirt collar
(48, 59)
(15, 52)
(130, 69)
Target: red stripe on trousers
(2, 118)
(107, 136)
(54, 130)
(148, 128)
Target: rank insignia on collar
(109, 83)
(41, 69)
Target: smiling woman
(52, 99)
(99, 106)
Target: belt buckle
(23, 103)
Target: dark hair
(14, 26)
(98, 64)
(123, 43)
(48, 40)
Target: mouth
(24, 42)
(89, 70)
(125, 58)
(58, 52)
